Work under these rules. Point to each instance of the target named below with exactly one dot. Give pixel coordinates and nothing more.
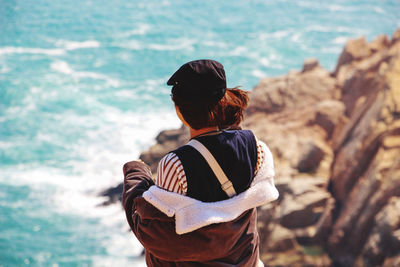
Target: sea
(83, 90)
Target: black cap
(199, 80)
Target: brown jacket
(233, 243)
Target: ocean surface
(82, 91)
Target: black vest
(236, 153)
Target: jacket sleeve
(137, 179)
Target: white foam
(169, 45)
(4, 69)
(66, 46)
(30, 50)
(322, 5)
(141, 29)
(275, 35)
(340, 40)
(127, 94)
(318, 28)
(215, 44)
(131, 45)
(341, 8)
(119, 138)
(72, 45)
(265, 61)
(175, 44)
(296, 37)
(258, 73)
(378, 10)
(238, 51)
(63, 67)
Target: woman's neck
(194, 132)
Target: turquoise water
(82, 89)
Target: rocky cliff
(335, 137)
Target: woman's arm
(137, 179)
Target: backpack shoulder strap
(226, 184)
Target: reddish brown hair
(225, 113)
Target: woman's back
(236, 153)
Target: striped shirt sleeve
(170, 174)
(260, 157)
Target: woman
(201, 210)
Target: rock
(281, 239)
(300, 185)
(384, 241)
(325, 223)
(285, 258)
(293, 91)
(329, 113)
(310, 64)
(302, 210)
(310, 158)
(379, 43)
(114, 194)
(355, 49)
(365, 173)
(396, 36)
(174, 135)
(305, 236)
(359, 80)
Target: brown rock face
(335, 138)
(366, 168)
(354, 50)
(294, 91)
(384, 241)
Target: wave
(117, 138)
(75, 191)
(318, 28)
(340, 40)
(341, 8)
(334, 8)
(31, 50)
(275, 35)
(258, 73)
(63, 67)
(169, 45)
(215, 44)
(66, 46)
(141, 29)
(238, 51)
(72, 45)
(4, 69)
(378, 10)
